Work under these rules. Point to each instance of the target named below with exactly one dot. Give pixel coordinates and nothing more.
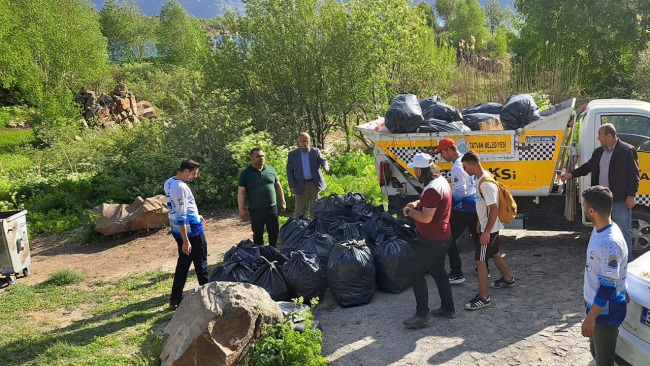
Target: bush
(281, 345)
(65, 276)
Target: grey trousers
(603, 344)
(309, 194)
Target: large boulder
(150, 213)
(216, 323)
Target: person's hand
(630, 201)
(186, 248)
(588, 326)
(627, 298)
(293, 191)
(410, 205)
(485, 238)
(566, 176)
(584, 303)
(405, 209)
(283, 206)
(326, 168)
(202, 219)
(242, 214)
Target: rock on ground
(216, 323)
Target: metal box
(14, 245)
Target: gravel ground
(535, 323)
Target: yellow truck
(529, 161)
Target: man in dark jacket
(614, 165)
(304, 173)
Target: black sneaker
(173, 304)
(442, 313)
(477, 302)
(418, 321)
(456, 278)
(476, 273)
(501, 283)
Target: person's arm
(241, 193)
(633, 178)
(181, 220)
(458, 183)
(290, 175)
(280, 193)
(610, 271)
(425, 216)
(491, 197)
(323, 162)
(581, 171)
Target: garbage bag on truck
(488, 108)
(292, 231)
(269, 277)
(245, 251)
(404, 115)
(394, 260)
(351, 273)
(519, 111)
(305, 275)
(331, 206)
(436, 125)
(442, 111)
(231, 271)
(472, 120)
(426, 103)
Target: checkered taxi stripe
(536, 150)
(406, 154)
(643, 199)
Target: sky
(212, 8)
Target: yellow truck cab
(529, 161)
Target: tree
(131, 35)
(445, 9)
(642, 76)
(493, 15)
(428, 13)
(182, 40)
(467, 26)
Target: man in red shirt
(431, 214)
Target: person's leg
(421, 293)
(257, 216)
(313, 194)
(440, 275)
(604, 344)
(482, 276)
(457, 227)
(501, 264)
(300, 204)
(199, 256)
(180, 274)
(622, 216)
(272, 225)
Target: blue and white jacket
(182, 208)
(464, 188)
(605, 274)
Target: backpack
(507, 204)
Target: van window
(633, 129)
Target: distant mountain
(212, 8)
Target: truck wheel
(27, 271)
(640, 231)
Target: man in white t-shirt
(487, 209)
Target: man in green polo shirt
(261, 184)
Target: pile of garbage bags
(407, 114)
(350, 247)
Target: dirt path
(132, 254)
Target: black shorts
(485, 252)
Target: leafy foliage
(642, 76)
(131, 35)
(182, 41)
(467, 25)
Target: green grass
(65, 276)
(120, 323)
(10, 139)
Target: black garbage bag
(319, 226)
(365, 211)
(472, 120)
(436, 125)
(394, 261)
(351, 199)
(443, 112)
(231, 271)
(342, 231)
(245, 251)
(519, 111)
(371, 230)
(305, 275)
(272, 254)
(488, 108)
(332, 206)
(269, 277)
(292, 231)
(403, 227)
(404, 115)
(319, 244)
(351, 273)
(427, 103)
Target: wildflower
(639, 17)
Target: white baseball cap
(421, 160)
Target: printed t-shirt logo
(613, 262)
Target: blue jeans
(622, 216)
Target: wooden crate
(491, 125)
